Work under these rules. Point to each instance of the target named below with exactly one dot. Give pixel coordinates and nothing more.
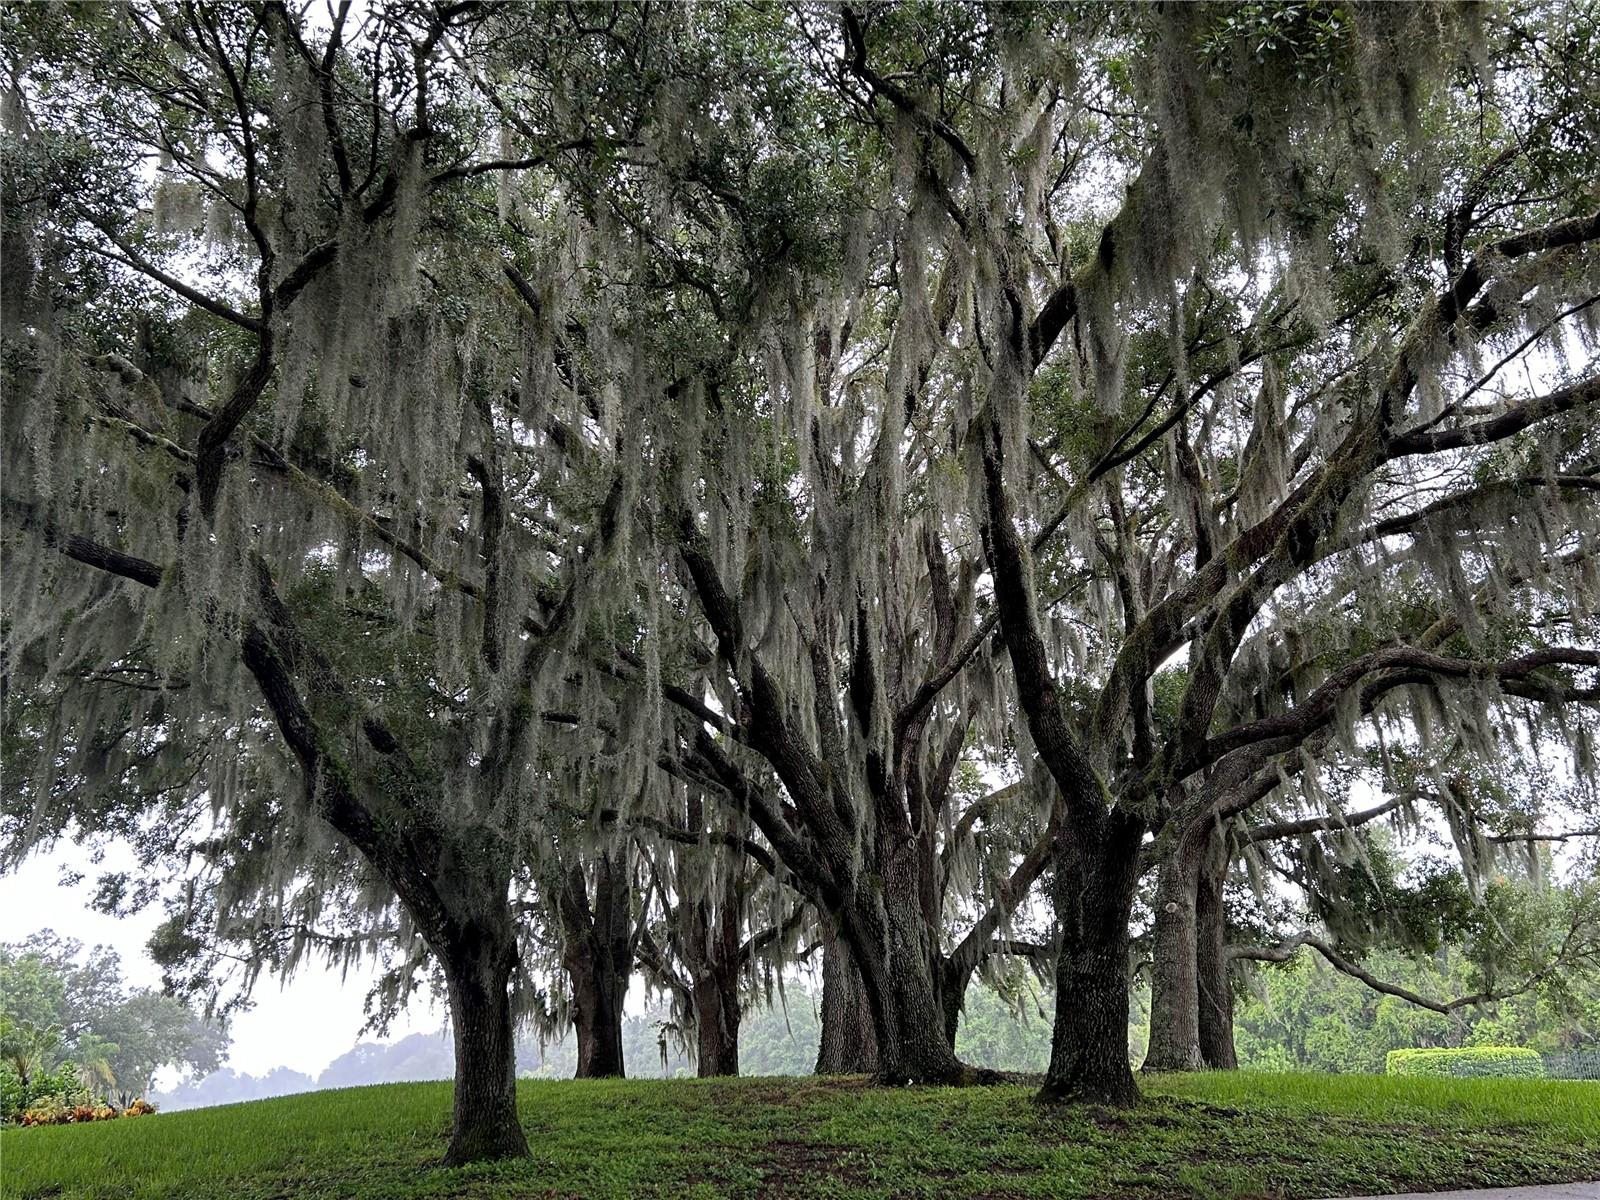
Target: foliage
(1370, 894)
(1308, 1016)
(149, 1031)
(1005, 1034)
(28, 1050)
(1467, 1063)
(71, 1029)
(1198, 1138)
(56, 1111)
(61, 1086)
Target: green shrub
(59, 1087)
(1467, 1063)
(12, 1095)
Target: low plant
(55, 1110)
(1467, 1063)
(61, 1083)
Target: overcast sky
(304, 1024)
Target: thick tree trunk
(716, 1019)
(892, 947)
(1174, 994)
(1213, 975)
(598, 957)
(598, 996)
(849, 1041)
(1097, 868)
(485, 1126)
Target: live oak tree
(1455, 784)
(1313, 838)
(723, 925)
(831, 662)
(1256, 417)
(433, 419)
(279, 499)
(595, 907)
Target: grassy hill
(1212, 1136)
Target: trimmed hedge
(1473, 1061)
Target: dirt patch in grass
(1104, 1119)
(791, 1167)
(790, 1093)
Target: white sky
(304, 1024)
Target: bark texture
(478, 971)
(1174, 995)
(1213, 975)
(849, 1042)
(1191, 993)
(716, 1018)
(897, 958)
(1097, 868)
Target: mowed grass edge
(1223, 1136)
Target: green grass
(1202, 1136)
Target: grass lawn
(1223, 1135)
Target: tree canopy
(514, 489)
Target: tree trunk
(1097, 868)
(952, 991)
(598, 997)
(485, 1126)
(1214, 978)
(1174, 995)
(711, 945)
(849, 1042)
(716, 1020)
(892, 948)
(598, 957)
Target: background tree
(1341, 446)
(63, 1007)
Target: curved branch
(1324, 824)
(1285, 950)
(1318, 708)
